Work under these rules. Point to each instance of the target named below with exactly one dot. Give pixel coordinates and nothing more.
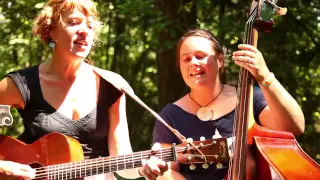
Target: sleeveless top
(190, 126)
(40, 118)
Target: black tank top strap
(26, 81)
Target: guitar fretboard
(100, 165)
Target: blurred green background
(138, 42)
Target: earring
(52, 44)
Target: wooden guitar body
(51, 149)
(56, 156)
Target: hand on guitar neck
(68, 162)
(156, 171)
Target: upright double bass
(276, 154)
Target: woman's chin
(199, 83)
(81, 54)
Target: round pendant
(205, 114)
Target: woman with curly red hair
(65, 94)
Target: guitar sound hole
(35, 165)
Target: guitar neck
(101, 165)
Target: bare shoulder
(184, 104)
(115, 79)
(10, 94)
(106, 72)
(181, 102)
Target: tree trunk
(170, 82)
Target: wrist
(266, 82)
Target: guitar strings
(74, 169)
(103, 167)
(110, 158)
(97, 169)
(89, 162)
(244, 126)
(249, 25)
(99, 163)
(163, 152)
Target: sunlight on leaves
(39, 5)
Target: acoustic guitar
(56, 156)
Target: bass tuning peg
(279, 10)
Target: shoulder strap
(26, 81)
(122, 85)
(115, 79)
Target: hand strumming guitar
(11, 170)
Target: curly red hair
(51, 12)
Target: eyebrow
(74, 17)
(184, 54)
(88, 19)
(191, 53)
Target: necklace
(204, 113)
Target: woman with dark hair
(209, 108)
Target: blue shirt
(190, 126)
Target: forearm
(287, 113)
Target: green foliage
(129, 44)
